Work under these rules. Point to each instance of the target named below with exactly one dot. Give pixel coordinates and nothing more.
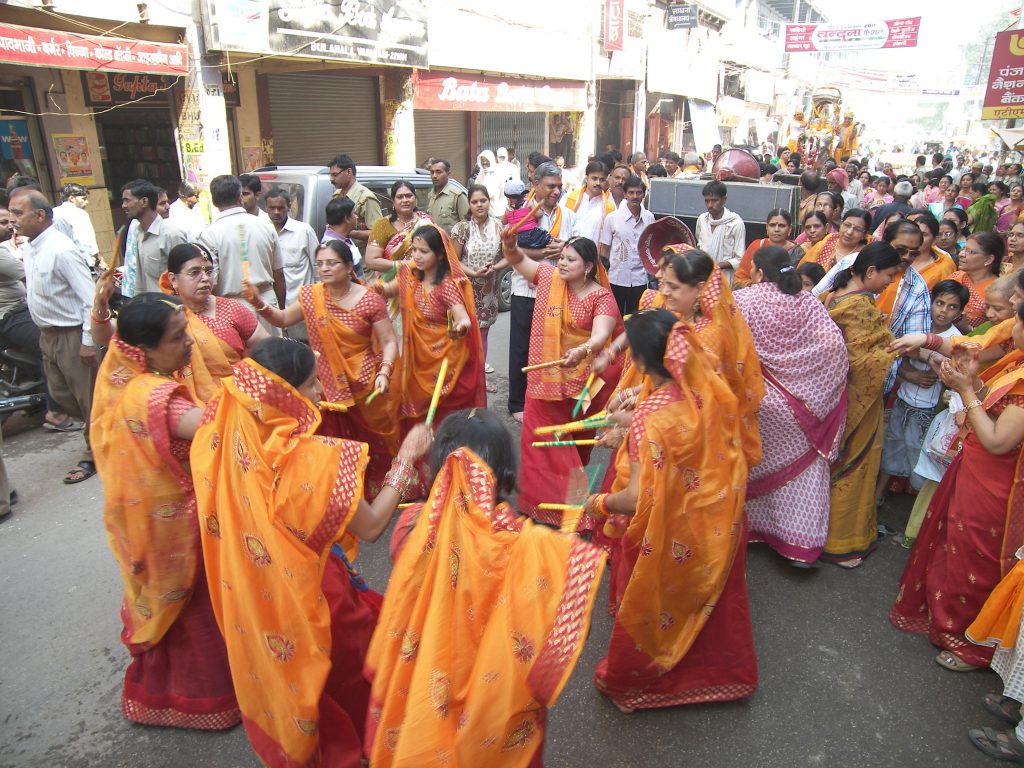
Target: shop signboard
(103, 89)
(480, 93)
(34, 47)
(828, 38)
(614, 24)
(681, 16)
(74, 161)
(385, 32)
(1004, 96)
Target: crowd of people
(259, 399)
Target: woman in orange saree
(438, 323)
(980, 263)
(357, 354)
(575, 316)
(518, 596)
(975, 522)
(853, 516)
(851, 237)
(280, 511)
(142, 425)
(682, 630)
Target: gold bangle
(975, 403)
(589, 349)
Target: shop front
(488, 112)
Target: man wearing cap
(900, 204)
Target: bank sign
(1004, 95)
(389, 32)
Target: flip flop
(952, 662)
(1002, 707)
(1001, 745)
(67, 424)
(85, 468)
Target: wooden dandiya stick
(559, 443)
(583, 394)
(337, 407)
(591, 422)
(541, 366)
(373, 395)
(407, 504)
(437, 392)
(519, 224)
(560, 507)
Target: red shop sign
(481, 93)
(1004, 96)
(48, 48)
(614, 24)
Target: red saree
(561, 321)
(973, 527)
(348, 361)
(682, 630)
(179, 672)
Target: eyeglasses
(852, 228)
(195, 274)
(965, 251)
(903, 250)
(327, 264)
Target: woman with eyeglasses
(576, 317)
(1014, 261)
(851, 237)
(980, 262)
(222, 329)
(144, 420)
(357, 355)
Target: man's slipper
(67, 424)
(83, 471)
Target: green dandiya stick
(559, 443)
(372, 396)
(583, 394)
(437, 392)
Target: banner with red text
(825, 38)
(480, 93)
(614, 24)
(34, 47)
(1004, 95)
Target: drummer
(618, 246)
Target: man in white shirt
(241, 243)
(184, 211)
(590, 203)
(721, 234)
(251, 189)
(559, 222)
(155, 236)
(60, 291)
(619, 247)
(76, 199)
(298, 245)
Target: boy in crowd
(918, 391)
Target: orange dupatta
(426, 342)
(974, 312)
(941, 267)
(212, 358)
(690, 509)
(823, 252)
(272, 499)
(483, 621)
(347, 362)
(148, 507)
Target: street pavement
(839, 686)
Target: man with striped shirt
(60, 293)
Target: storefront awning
(482, 93)
(36, 47)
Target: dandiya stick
(560, 507)
(560, 443)
(541, 366)
(372, 396)
(583, 394)
(437, 392)
(338, 407)
(597, 420)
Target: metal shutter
(522, 130)
(316, 115)
(443, 135)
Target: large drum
(660, 235)
(736, 165)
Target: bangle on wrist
(975, 403)
(933, 342)
(401, 476)
(100, 320)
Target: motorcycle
(21, 383)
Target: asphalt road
(839, 686)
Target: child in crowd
(998, 306)
(811, 274)
(918, 390)
(530, 235)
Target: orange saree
(425, 343)
(974, 312)
(823, 252)
(682, 629)
(484, 619)
(348, 360)
(179, 673)
(272, 500)
(561, 320)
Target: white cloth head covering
(493, 179)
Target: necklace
(340, 296)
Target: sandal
(67, 424)
(952, 662)
(83, 471)
(1002, 707)
(488, 368)
(856, 562)
(1002, 745)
